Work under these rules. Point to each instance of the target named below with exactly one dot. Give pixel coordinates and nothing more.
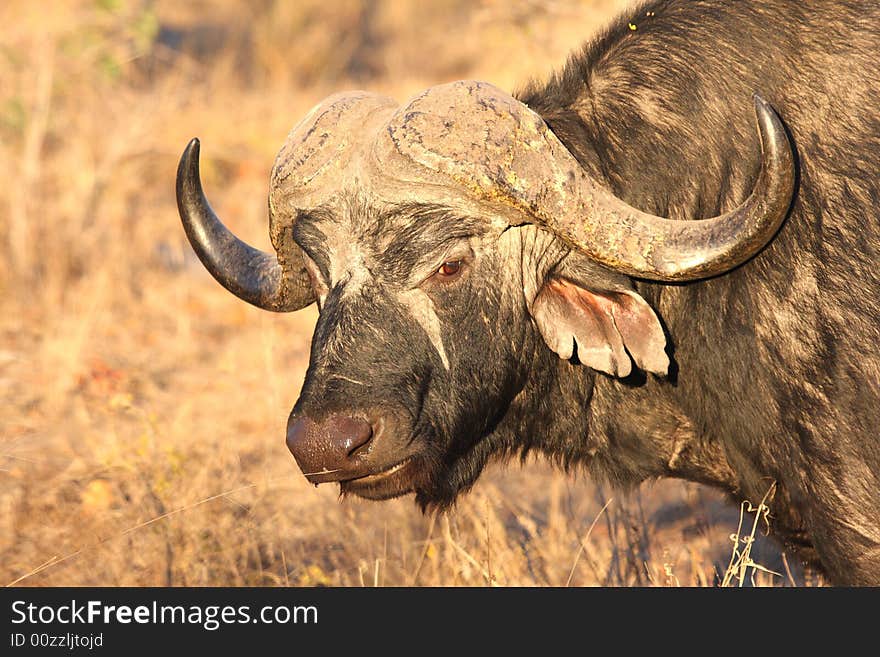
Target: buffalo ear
(608, 327)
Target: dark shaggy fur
(778, 362)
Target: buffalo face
(421, 345)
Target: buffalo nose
(327, 450)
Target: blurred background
(143, 408)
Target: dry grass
(143, 407)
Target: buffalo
(663, 261)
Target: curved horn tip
(191, 152)
(188, 168)
(768, 119)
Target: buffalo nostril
(349, 433)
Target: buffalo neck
(624, 431)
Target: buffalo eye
(449, 270)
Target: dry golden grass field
(143, 408)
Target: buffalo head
(452, 245)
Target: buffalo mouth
(391, 482)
